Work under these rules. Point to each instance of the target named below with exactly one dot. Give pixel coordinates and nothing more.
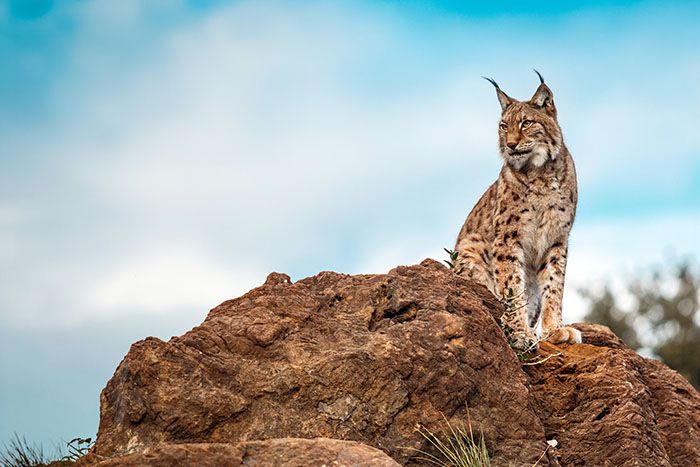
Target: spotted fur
(515, 239)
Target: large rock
(363, 358)
(290, 452)
(370, 357)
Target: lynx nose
(511, 145)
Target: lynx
(515, 239)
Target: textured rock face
(290, 452)
(363, 358)
(606, 405)
(367, 358)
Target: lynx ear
(502, 96)
(543, 99)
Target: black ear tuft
(540, 76)
(492, 81)
(503, 98)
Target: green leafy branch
(451, 263)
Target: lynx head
(528, 133)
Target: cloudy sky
(159, 157)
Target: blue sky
(159, 157)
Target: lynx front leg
(509, 272)
(550, 277)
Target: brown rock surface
(362, 358)
(368, 357)
(289, 452)
(606, 405)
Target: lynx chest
(549, 213)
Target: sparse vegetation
(77, 448)
(510, 315)
(453, 258)
(458, 448)
(529, 355)
(19, 452)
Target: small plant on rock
(77, 448)
(18, 452)
(509, 316)
(458, 449)
(528, 355)
(453, 258)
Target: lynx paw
(523, 341)
(565, 334)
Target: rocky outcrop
(368, 358)
(290, 452)
(606, 405)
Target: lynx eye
(526, 123)
(503, 126)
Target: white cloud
(165, 280)
(404, 250)
(13, 217)
(173, 278)
(259, 119)
(13, 214)
(252, 135)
